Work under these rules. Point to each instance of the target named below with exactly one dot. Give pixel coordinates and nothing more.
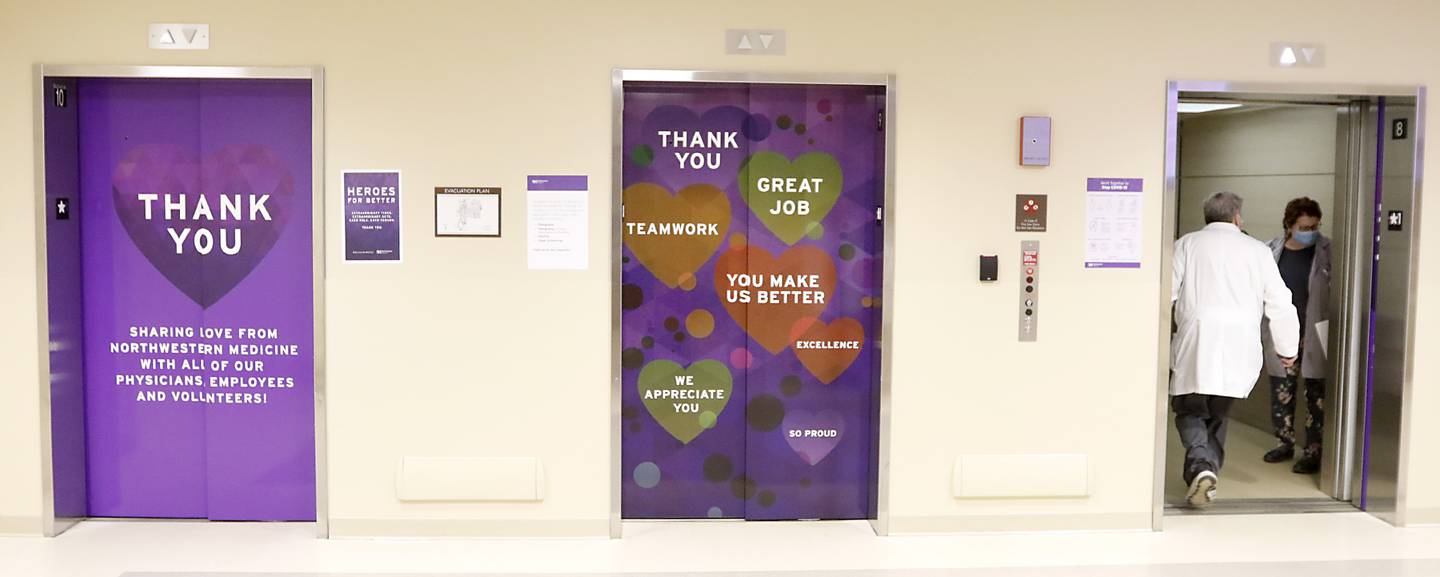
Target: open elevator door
(1370, 341)
(750, 299)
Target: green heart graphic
(685, 402)
(779, 207)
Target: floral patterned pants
(1282, 410)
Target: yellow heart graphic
(672, 235)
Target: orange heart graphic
(673, 235)
(827, 350)
(766, 296)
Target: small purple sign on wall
(1113, 222)
(1114, 184)
(567, 182)
(372, 215)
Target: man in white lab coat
(1224, 282)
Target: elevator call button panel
(1029, 289)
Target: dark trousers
(1202, 420)
(1282, 412)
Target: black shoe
(1281, 453)
(1307, 465)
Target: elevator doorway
(1345, 163)
(180, 237)
(750, 302)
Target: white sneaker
(1202, 489)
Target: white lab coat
(1224, 283)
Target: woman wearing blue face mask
(1303, 255)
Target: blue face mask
(1305, 237)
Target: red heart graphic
(827, 350)
(770, 323)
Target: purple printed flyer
(372, 215)
(1113, 222)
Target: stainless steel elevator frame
(1351, 267)
(316, 75)
(881, 523)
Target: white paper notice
(467, 211)
(557, 217)
(1113, 223)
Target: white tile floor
(1272, 546)
(1246, 475)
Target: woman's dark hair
(1299, 207)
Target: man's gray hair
(1223, 207)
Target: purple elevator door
(750, 300)
(195, 208)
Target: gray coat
(1314, 365)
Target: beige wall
(1266, 155)
(525, 89)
